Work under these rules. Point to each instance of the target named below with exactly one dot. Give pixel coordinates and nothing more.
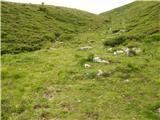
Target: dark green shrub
(115, 31)
(57, 34)
(152, 38)
(115, 41)
(129, 68)
(118, 40)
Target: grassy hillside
(27, 27)
(53, 83)
(139, 17)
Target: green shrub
(152, 38)
(118, 40)
(115, 41)
(57, 34)
(128, 68)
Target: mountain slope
(27, 27)
(138, 17)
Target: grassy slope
(27, 27)
(138, 17)
(53, 83)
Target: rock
(103, 74)
(87, 65)
(118, 52)
(85, 48)
(100, 73)
(51, 49)
(137, 50)
(78, 101)
(123, 30)
(109, 49)
(127, 80)
(126, 50)
(157, 110)
(131, 53)
(98, 59)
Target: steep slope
(27, 27)
(138, 17)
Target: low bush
(115, 41)
(152, 38)
(118, 40)
(128, 68)
(89, 58)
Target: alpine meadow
(61, 63)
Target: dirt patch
(49, 95)
(39, 106)
(66, 107)
(92, 115)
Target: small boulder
(100, 73)
(85, 48)
(104, 74)
(131, 53)
(126, 81)
(99, 60)
(109, 49)
(118, 52)
(87, 65)
(126, 50)
(137, 50)
(122, 30)
(157, 110)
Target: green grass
(53, 84)
(27, 27)
(139, 17)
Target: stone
(126, 50)
(137, 50)
(127, 80)
(109, 49)
(78, 101)
(157, 110)
(99, 60)
(131, 53)
(85, 48)
(100, 73)
(118, 52)
(123, 30)
(87, 65)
